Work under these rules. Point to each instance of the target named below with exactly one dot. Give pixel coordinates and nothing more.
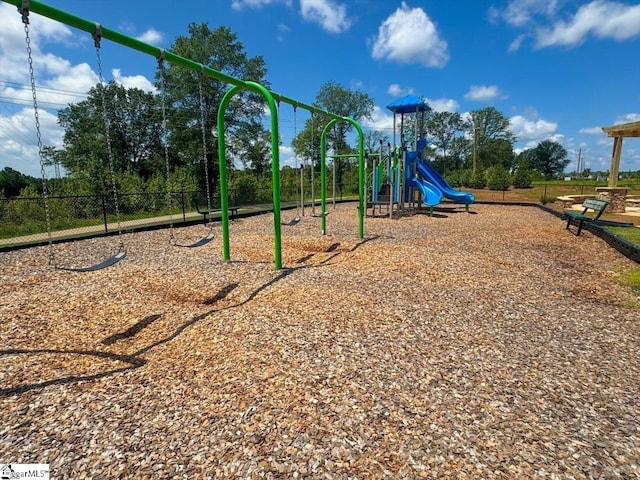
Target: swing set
(236, 85)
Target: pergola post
(615, 162)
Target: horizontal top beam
(91, 27)
(631, 129)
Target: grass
(633, 279)
(631, 235)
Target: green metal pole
(323, 174)
(222, 166)
(275, 169)
(361, 178)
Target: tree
(522, 175)
(549, 158)
(12, 182)
(221, 50)
(460, 152)
(498, 178)
(135, 133)
(490, 130)
(372, 140)
(497, 151)
(442, 128)
(333, 98)
(257, 152)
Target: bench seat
(580, 218)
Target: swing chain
(24, 11)
(97, 36)
(203, 129)
(165, 143)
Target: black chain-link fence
(23, 219)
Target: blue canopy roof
(408, 104)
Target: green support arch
(275, 169)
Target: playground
(489, 344)
(444, 340)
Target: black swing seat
(99, 266)
(294, 222)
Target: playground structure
(99, 32)
(402, 178)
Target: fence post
(184, 216)
(104, 213)
(545, 191)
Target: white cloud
(59, 83)
(533, 130)
(18, 145)
(482, 93)
(515, 45)
(288, 157)
(282, 31)
(628, 118)
(600, 18)
(241, 4)
(331, 16)
(151, 36)
(409, 36)
(133, 81)
(380, 120)
(443, 104)
(13, 63)
(591, 131)
(398, 91)
(521, 12)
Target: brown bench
(206, 212)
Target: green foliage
(12, 182)
(549, 158)
(477, 180)
(460, 152)
(135, 132)
(455, 178)
(334, 98)
(544, 199)
(220, 49)
(442, 128)
(247, 189)
(498, 178)
(489, 124)
(522, 177)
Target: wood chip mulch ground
(486, 345)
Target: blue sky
(559, 69)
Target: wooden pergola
(618, 132)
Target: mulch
(486, 345)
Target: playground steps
(385, 193)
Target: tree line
(165, 141)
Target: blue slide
(428, 173)
(431, 195)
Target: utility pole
(475, 135)
(580, 166)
